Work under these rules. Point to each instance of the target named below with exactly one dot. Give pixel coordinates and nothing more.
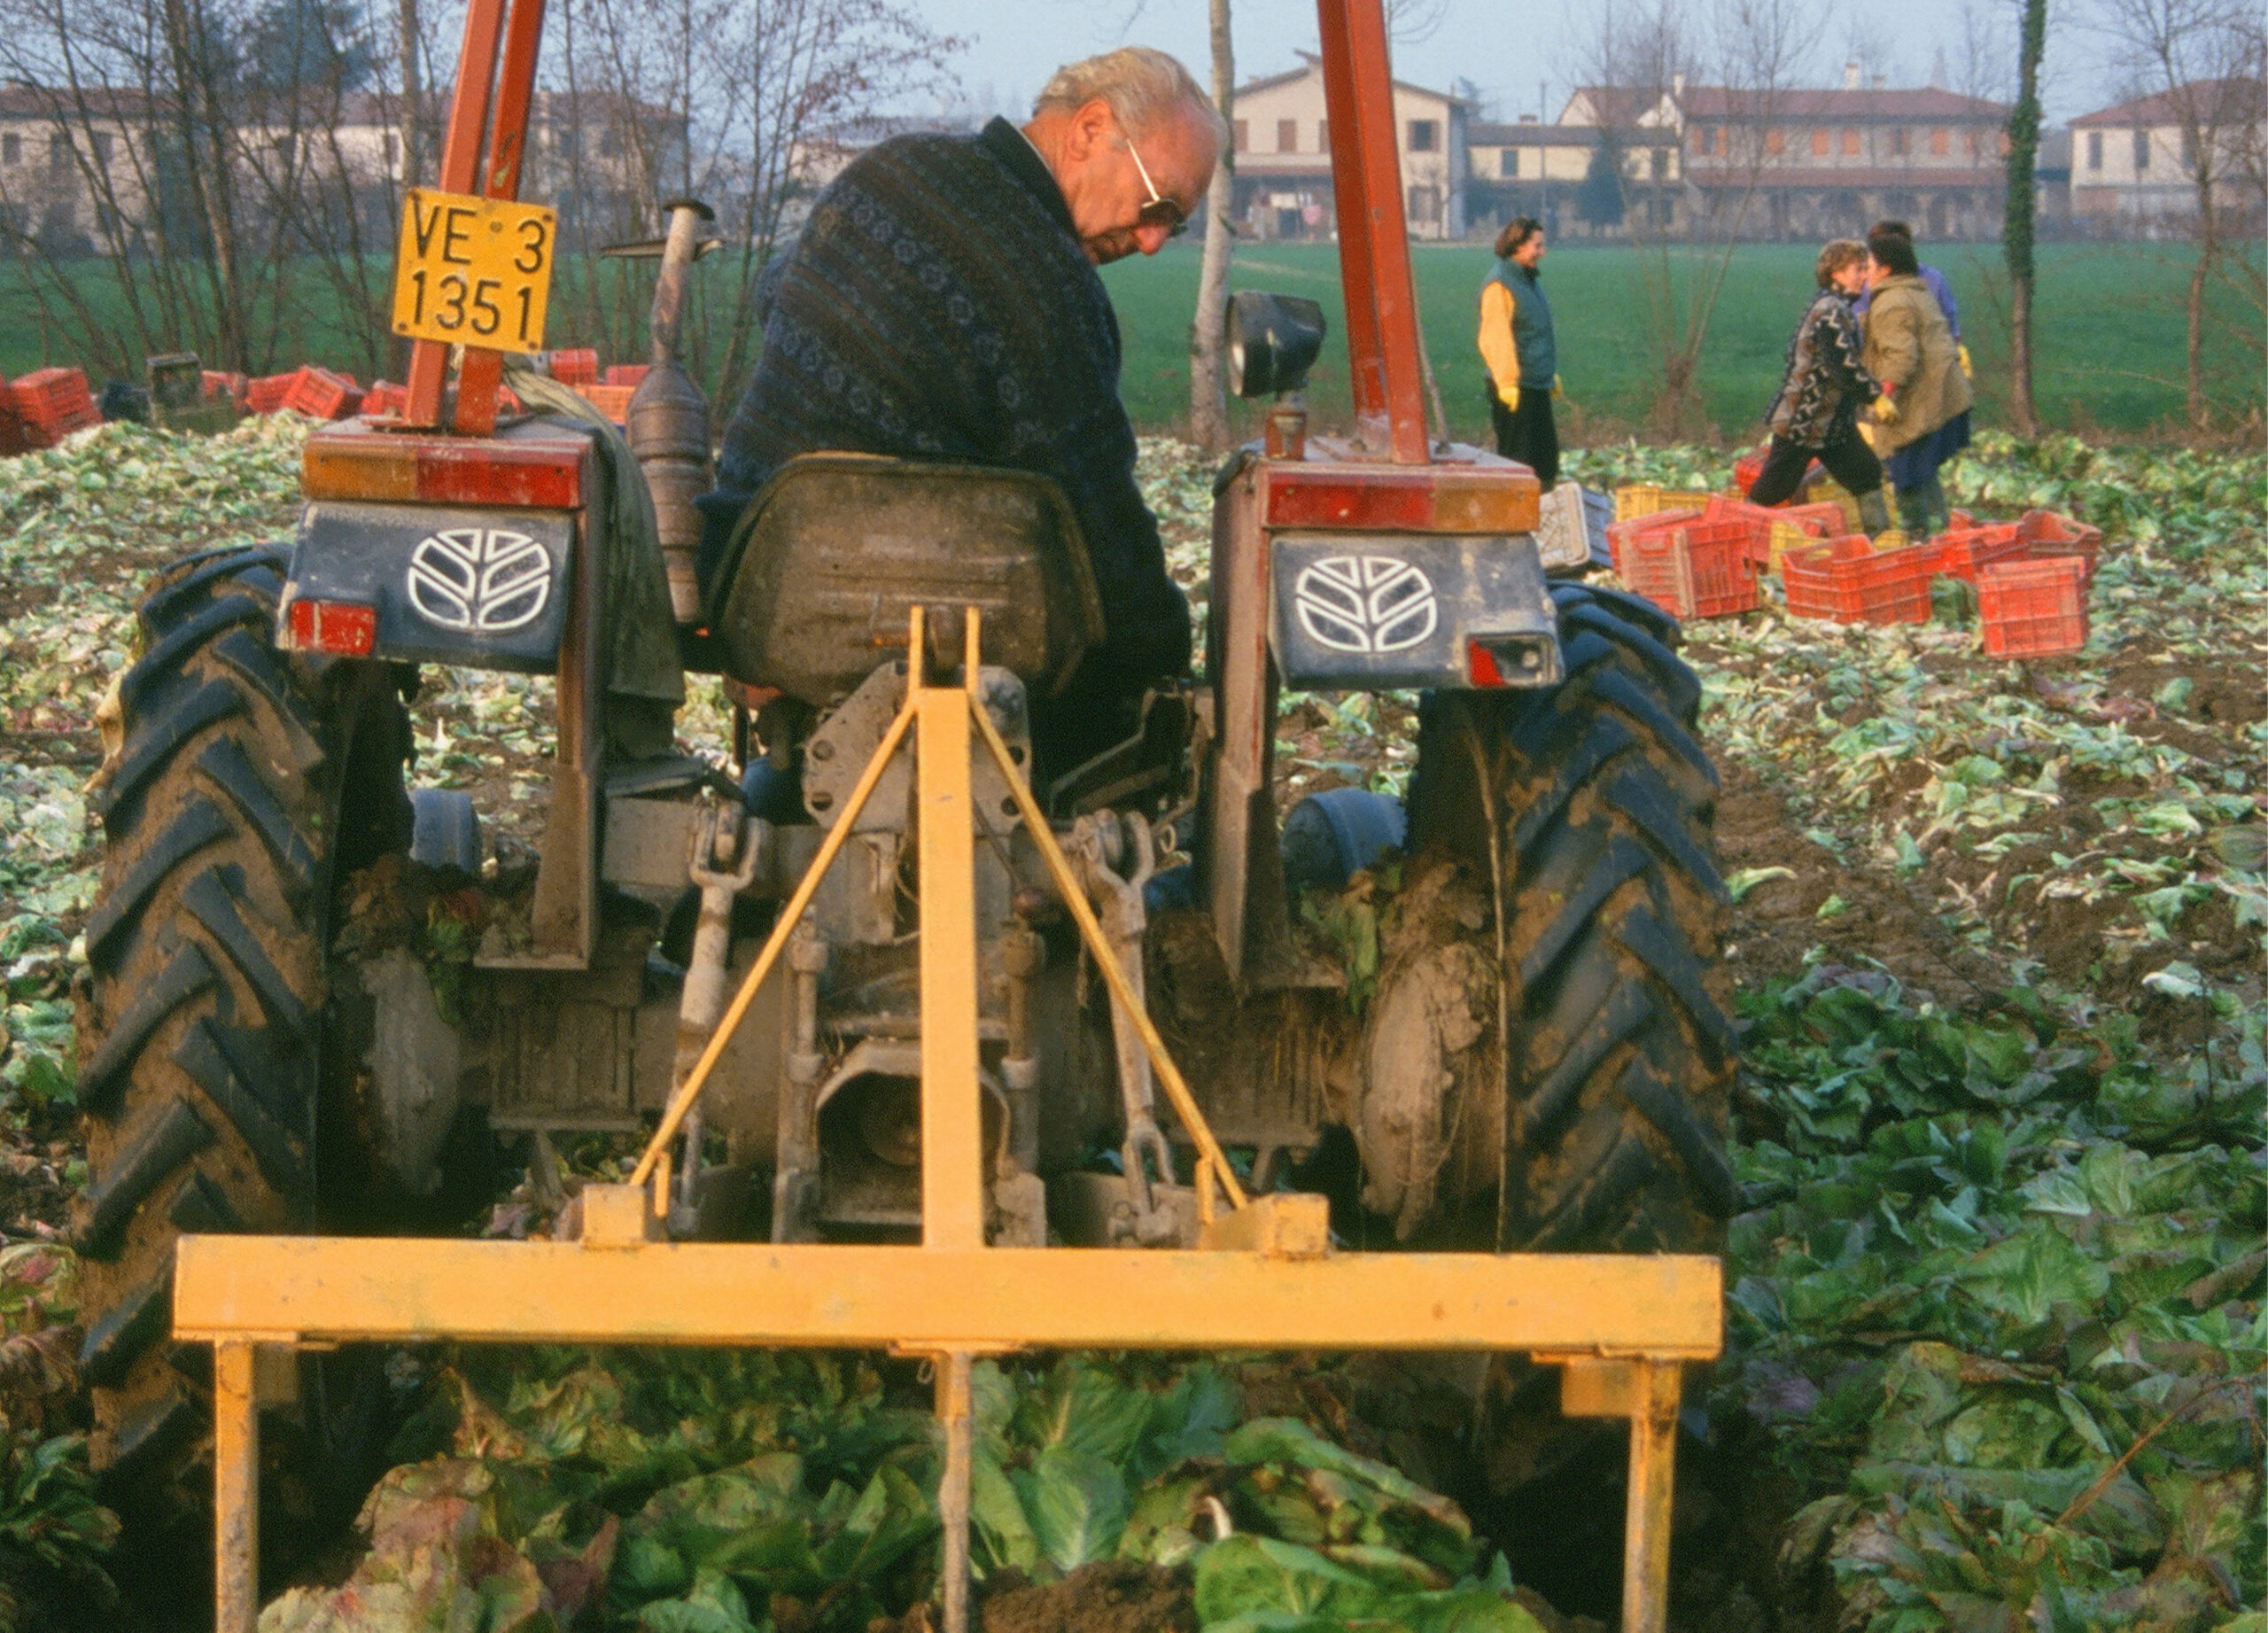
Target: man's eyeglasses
(1160, 211)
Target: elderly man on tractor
(942, 304)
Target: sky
(1519, 55)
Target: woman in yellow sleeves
(1517, 344)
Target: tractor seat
(817, 581)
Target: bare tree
(1686, 101)
(1209, 416)
(2200, 62)
(2017, 219)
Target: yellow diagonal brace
(682, 1100)
(1067, 885)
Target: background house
(1282, 137)
(2133, 166)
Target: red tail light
(342, 628)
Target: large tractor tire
(248, 785)
(1587, 808)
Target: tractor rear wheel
(1587, 808)
(248, 784)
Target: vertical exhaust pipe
(669, 415)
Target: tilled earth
(1895, 805)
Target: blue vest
(1539, 353)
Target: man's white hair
(1142, 86)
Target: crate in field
(1965, 552)
(52, 403)
(2046, 535)
(385, 397)
(265, 394)
(1772, 532)
(576, 366)
(1619, 533)
(14, 438)
(611, 400)
(1697, 570)
(2033, 608)
(1644, 499)
(321, 394)
(1848, 581)
(631, 374)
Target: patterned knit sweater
(938, 306)
(1826, 383)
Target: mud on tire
(248, 782)
(1589, 805)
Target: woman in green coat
(1921, 420)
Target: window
(12, 150)
(1425, 203)
(1819, 143)
(1776, 141)
(102, 147)
(1287, 136)
(1850, 144)
(1940, 142)
(59, 154)
(2189, 150)
(1322, 135)
(1243, 135)
(1700, 142)
(1660, 167)
(610, 143)
(1425, 136)
(1898, 141)
(2141, 149)
(1508, 163)
(2094, 150)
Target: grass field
(2109, 330)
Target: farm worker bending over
(1922, 417)
(942, 304)
(1523, 359)
(1816, 413)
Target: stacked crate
(52, 404)
(1849, 582)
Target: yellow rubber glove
(1885, 411)
(1967, 368)
(1558, 385)
(1509, 396)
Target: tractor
(1539, 1059)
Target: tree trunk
(2017, 222)
(1208, 417)
(410, 97)
(2198, 277)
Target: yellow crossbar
(282, 1289)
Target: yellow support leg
(236, 1488)
(952, 1156)
(1646, 1517)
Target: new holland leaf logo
(480, 580)
(1365, 604)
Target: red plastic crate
(1619, 533)
(1746, 469)
(13, 437)
(611, 400)
(385, 397)
(2047, 535)
(631, 374)
(578, 366)
(1699, 569)
(323, 395)
(265, 394)
(52, 403)
(220, 387)
(1848, 581)
(1965, 551)
(2033, 608)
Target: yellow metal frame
(1265, 1276)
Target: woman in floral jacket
(1815, 415)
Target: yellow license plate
(475, 270)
